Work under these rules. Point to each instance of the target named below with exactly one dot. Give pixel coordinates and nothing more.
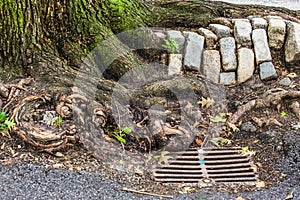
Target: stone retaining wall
(229, 51)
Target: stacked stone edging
(227, 56)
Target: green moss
(124, 14)
(20, 19)
(191, 14)
(10, 71)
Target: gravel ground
(28, 181)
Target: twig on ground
(241, 111)
(147, 193)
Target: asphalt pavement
(28, 181)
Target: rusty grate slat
(194, 166)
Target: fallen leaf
(198, 141)
(138, 125)
(259, 164)
(290, 195)
(247, 152)
(3, 146)
(57, 165)
(245, 149)
(292, 75)
(163, 158)
(254, 169)
(206, 103)
(108, 138)
(282, 175)
(221, 117)
(260, 184)
(284, 72)
(168, 111)
(219, 141)
(185, 190)
(239, 198)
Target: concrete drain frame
(203, 167)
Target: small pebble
(248, 127)
(285, 81)
(58, 154)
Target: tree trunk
(59, 33)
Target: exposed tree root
(43, 137)
(271, 97)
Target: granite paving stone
(267, 71)
(246, 65)
(227, 50)
(259, 23)
(220, 30)
(211, 66)
(193, 50)
(292, 44)
(261, 46)
(276, 33)
(227, 78)
(210, 37)
(175, 64)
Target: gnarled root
(45, 138)
(269, 98)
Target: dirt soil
(269, 131)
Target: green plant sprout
(58, 121)
(171, 45)
(5, 122)
(283, 114)
(119, 135)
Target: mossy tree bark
(59, 33)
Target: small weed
(245, 149)
(3, 116)
(5, 123)
(283, 114)
(58, 121)
(119, 135)
(171, 45)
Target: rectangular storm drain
(196, 166)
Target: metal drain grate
(207, 165)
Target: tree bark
(59, 33)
